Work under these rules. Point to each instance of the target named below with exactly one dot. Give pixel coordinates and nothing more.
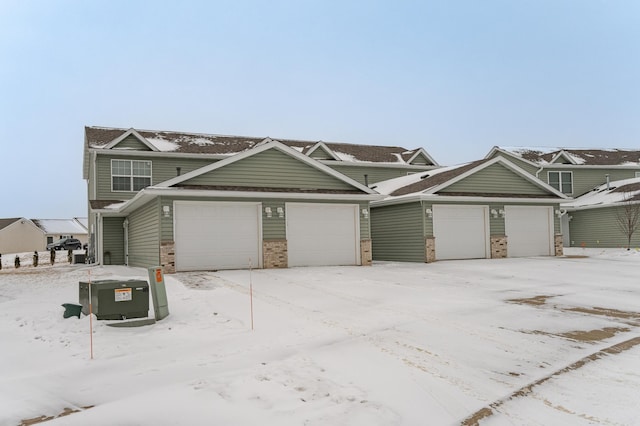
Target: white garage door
(217, 235)
(461, 232)
(529, 230)
(323, 234)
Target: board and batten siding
(113, 241)
(496, 179)
(598, 228)
(273, 228)
(270, 169)
(397, 234)
(162, 169)
(375, 174)
(144, 235)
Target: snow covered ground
(536, 341)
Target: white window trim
(560, 172)
(131, 176)
(637, 174)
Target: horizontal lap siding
(144, 236)
(132, 142)
(397, 233)
(496, 179)
(527, 167)
(113, 240)
(271, 169)
(584, 180)
(598, 228)
(162, 169)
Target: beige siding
(270, 169)
(496, 179)
(21, 236)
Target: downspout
(99, 247)
(125, 225)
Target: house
(55, 229)
(201, 202)
(489, 208)
(19, 235)
(594, 219)
(573, 171)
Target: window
(130, 175)
(637, 174)
(562, 181)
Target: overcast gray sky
(453, 77)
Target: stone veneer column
(274, 254)
(559, 246)
(366, 256)
(168, 256)
(430, 249)
(499, 246)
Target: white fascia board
(506, 163)
(147, 194)
(130, 132)
(424, 153)
(256, 150)
(562, 153)
(462, 199)
(323, 146)
(497, 149)
(402, 166)
(160, 154)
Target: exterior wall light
(502, 213)
(267, 210)
(365, 213)
(280, 211)
(166, 210)
(494, 213)
(429, 213)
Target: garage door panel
(217, 235)
(322, 234)
(461, 232)
(529, 230)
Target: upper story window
(562, 181)
(130, 175)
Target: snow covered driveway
(513, 341)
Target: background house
(485, 209)
(19, 235)
(55, 229)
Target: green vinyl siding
(270, 169)
(113, 241)
(144, 235)
(132, 142)
(598, 228)
(320, 154)
(397, 233)
(273, 228)
(496, 179)
(527, 167)
(162, 168)
(585, 179)
(375, 174)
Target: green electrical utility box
(115, 299)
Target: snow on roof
(608, 194)
(389, 186)
(60, 226)
(579, 156)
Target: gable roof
(542, 156)
(265, 147)
(100, 138)
(60, 226)
(434, 181)
(6, 222)
(607, 195)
